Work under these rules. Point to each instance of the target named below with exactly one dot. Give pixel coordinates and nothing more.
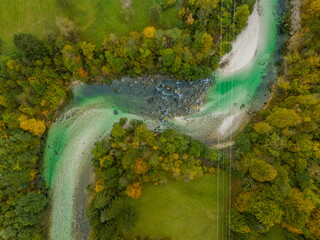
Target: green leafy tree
(261, 170)
(267, 212)
(263, 128)
(282, 117)
(112, 210)
(128, 217)
(297, 209)
(118, 131)
(168, 57)
(30, 46)
(241, 17)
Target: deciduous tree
(134, 190)
(261, 170)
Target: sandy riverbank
(244, 48)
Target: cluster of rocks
(163, 98)
(155, 97)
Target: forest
(277, 156)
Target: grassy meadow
(33, 16)
(94, 18)
(182, 210)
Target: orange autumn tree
(140, 167)
(134, 190)
(82, 73)
(37, 127)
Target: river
(90, 116)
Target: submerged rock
(169, 88)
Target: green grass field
(94, 18)
(33, 16)
(182, 211)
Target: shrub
(65, 3)
(155, 13)
(67, 29)
(127, 15)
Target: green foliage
(267, 212)
(31, 90)
(282, 117)
(127, 219)
(31, 47)
(185, 54)
(241, 17)
(250, 3)
(29, 207)
(263, 128)
(127, 15)
(297, 209)
(132, 156)
(112, 210)
(168, 57)
(65, 3)
(238, 222)
(155, 13)
(118, 131)
(261, 170)
(243, 142)
(1, 46)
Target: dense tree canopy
(278, 154)
(31, 47)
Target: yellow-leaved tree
(149, 32)
(37, 127)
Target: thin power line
(218, 164)
(231, 103)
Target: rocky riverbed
(154, 97)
